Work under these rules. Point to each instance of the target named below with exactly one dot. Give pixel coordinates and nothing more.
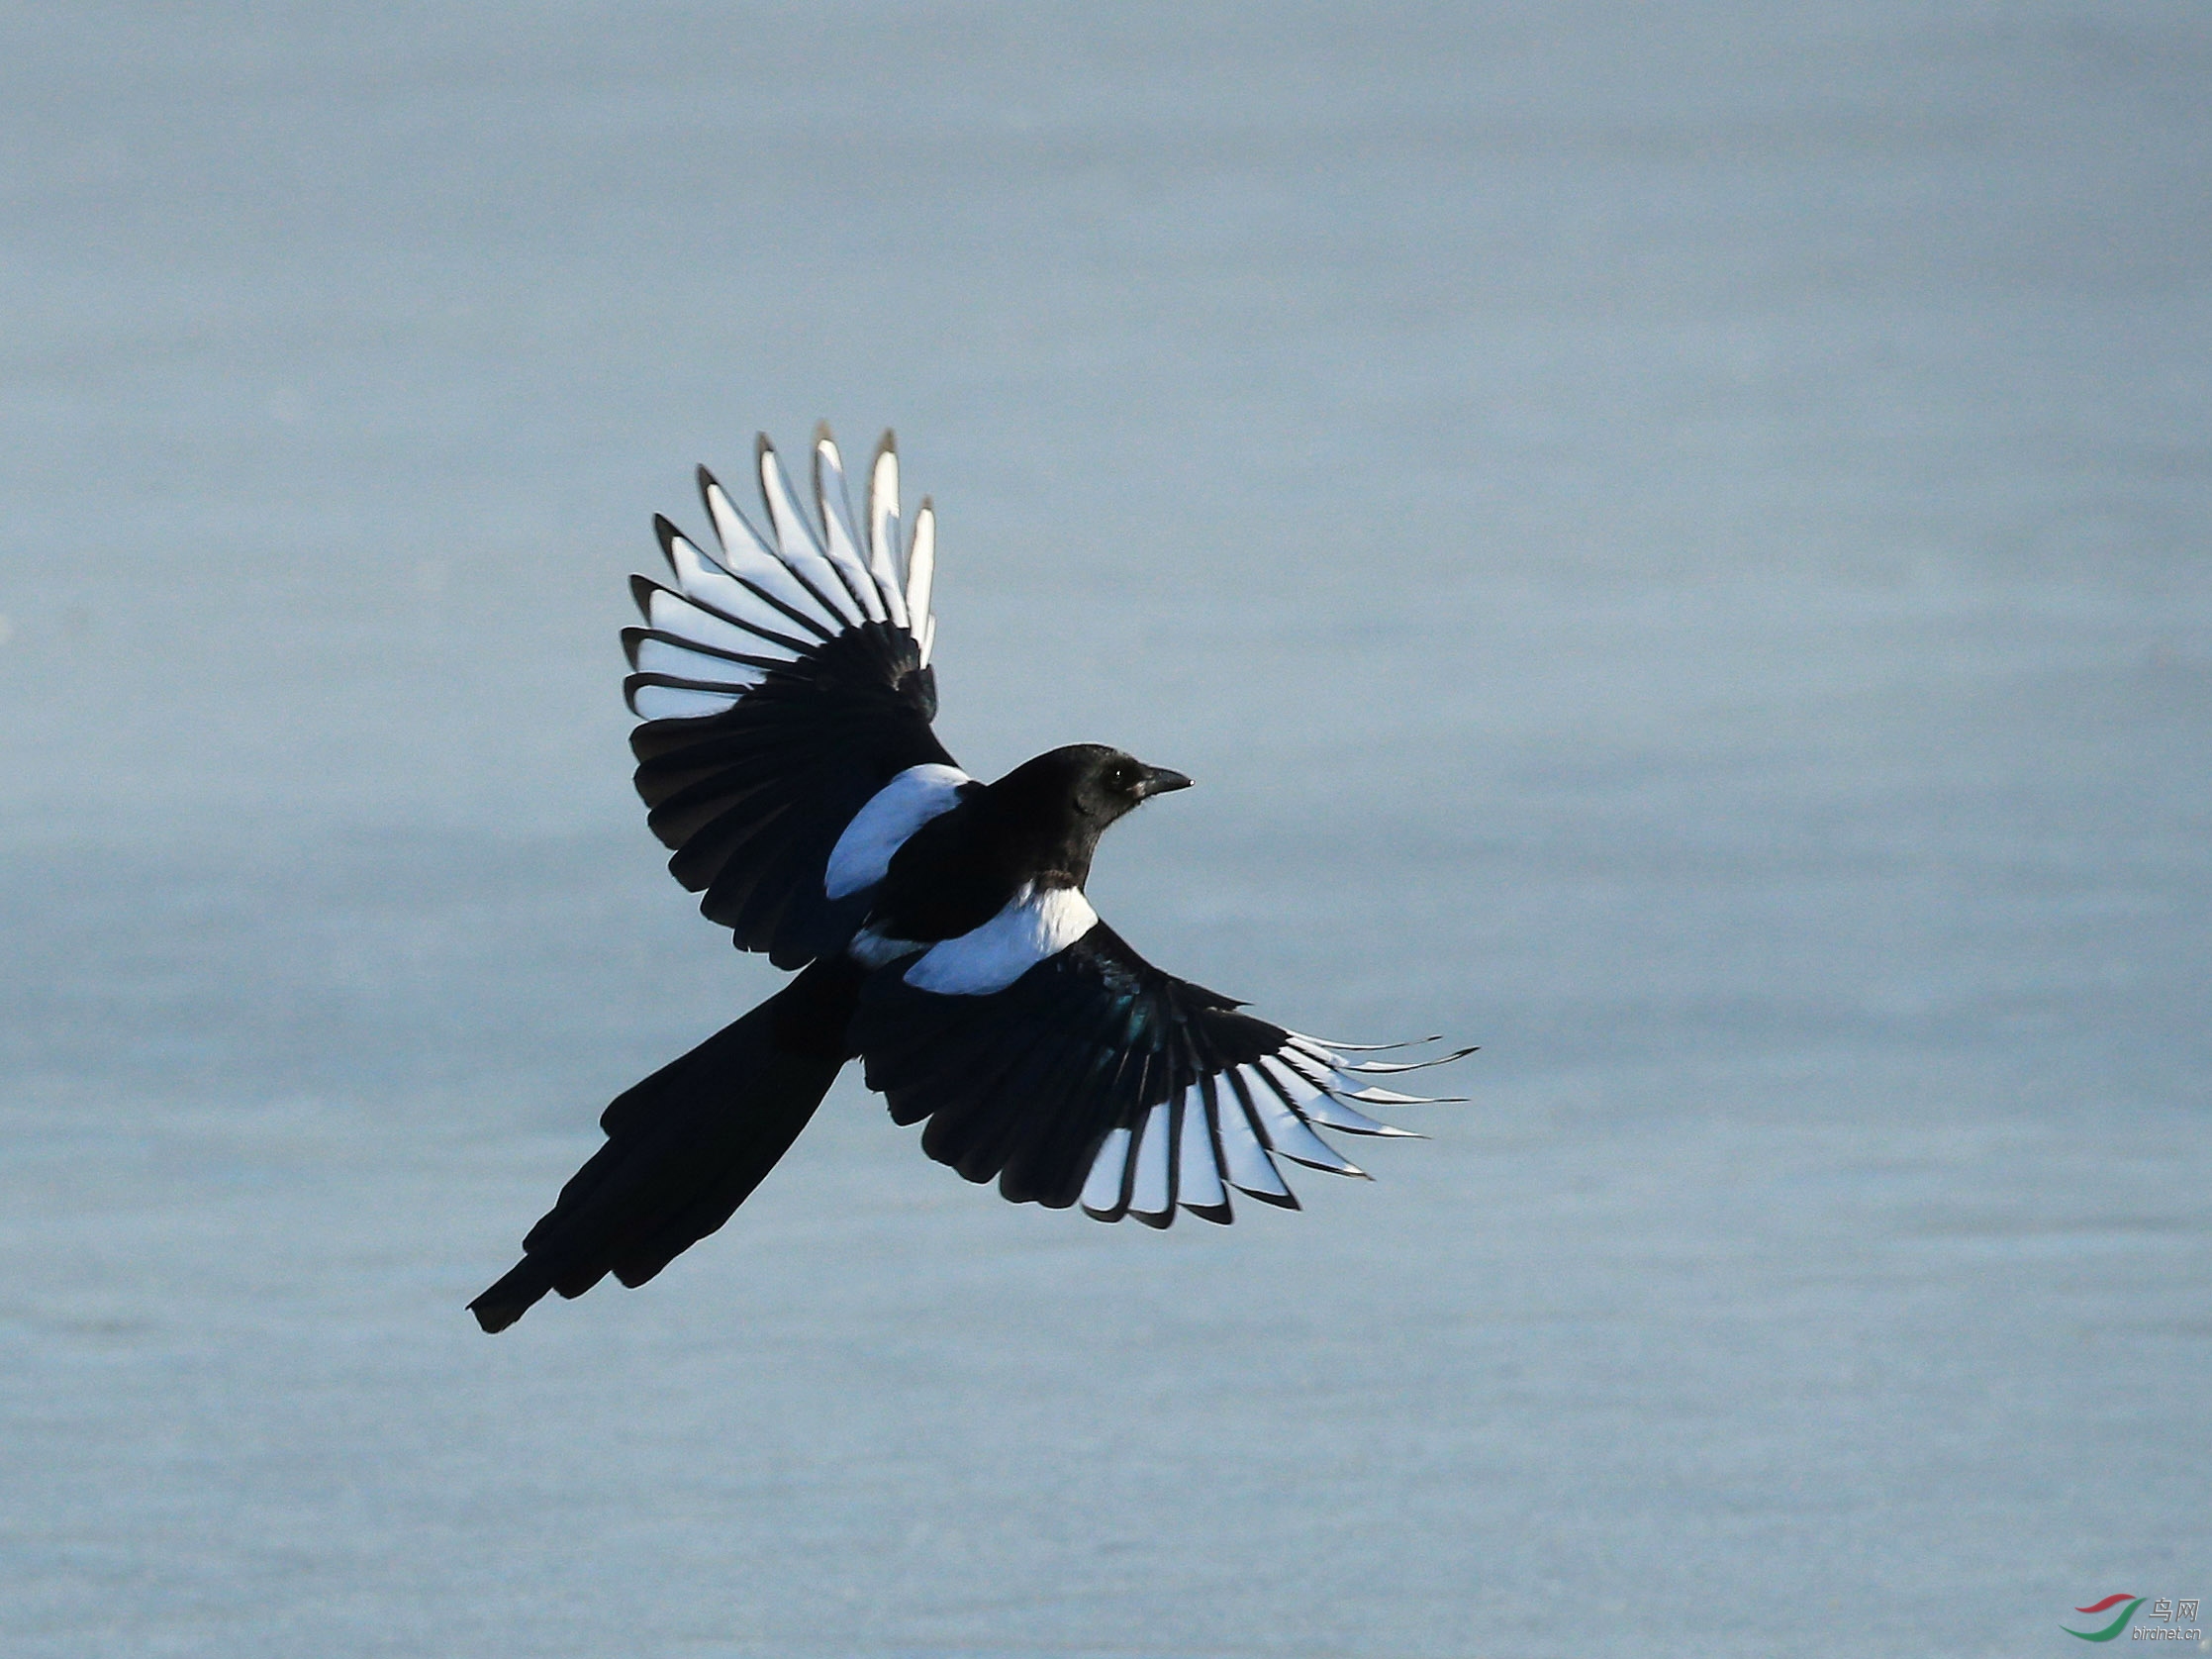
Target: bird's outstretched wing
(785, 688)
(1089, 1074)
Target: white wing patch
(1197, 1170)
(836, 508)
(748, 556)
(883, 529)
(668, 613)
(1101, 1192)
(922, 575)
(797, 543)
(657, 655)
(1229, 1131)
(1250, 1169)
(1032, 927)
(771, 600)
(1152, 1192)
(862, 855)
(653, 702)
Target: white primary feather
(651, 702)
(680, 662)
(1101, 1192)
(714, 588)
(836, 524)
(1153, 1193)
(746, 554)
(796, 545)
(862, 855)
(1287, 1081)
(1250, 1168)
(1321, 1046)
(1033, 926)
(1287, 1132)
(1321, 1097)
(921, 572)
(1385, 1068)
(668, 613)
(1316, 1104)
(1331, 1113)
(883, 531)
(1197, 1175)
(1331, 1072)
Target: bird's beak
(1158, 780)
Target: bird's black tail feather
(687, 1146)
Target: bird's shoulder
(967, 865)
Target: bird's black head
(1102, 784)
(1069, 795)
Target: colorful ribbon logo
(2112, 1630)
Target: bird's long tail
(687, 1146)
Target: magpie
(938, 923)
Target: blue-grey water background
(1675, 540)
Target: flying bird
(938, 923)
